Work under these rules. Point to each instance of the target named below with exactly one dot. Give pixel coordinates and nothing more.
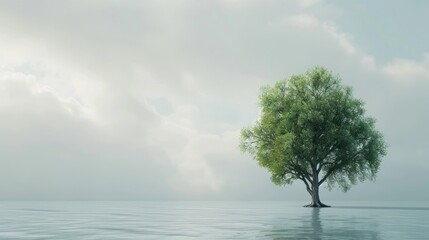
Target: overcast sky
(145, 100)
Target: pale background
(144, 100)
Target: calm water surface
(213, 220)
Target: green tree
(311, 128)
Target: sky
(145, 100)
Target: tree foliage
(311, 128)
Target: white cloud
(310, 22)
(342, 38)
(33, 85)
(307, 3)
(242, 4)
(408, 70)
(302, 20)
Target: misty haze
(123, 119)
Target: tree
(312, 129)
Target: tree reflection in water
(316, 224)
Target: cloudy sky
(144, 100)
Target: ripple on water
(212, 220)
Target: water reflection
(321, 224)
(211, 220)
(316, 223)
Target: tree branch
(338, 164)
(306, 184)
(298, 169)
(326, 155)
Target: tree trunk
(315, 193)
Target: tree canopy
(312, 129)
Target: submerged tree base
(316, 205)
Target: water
(212, 220)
